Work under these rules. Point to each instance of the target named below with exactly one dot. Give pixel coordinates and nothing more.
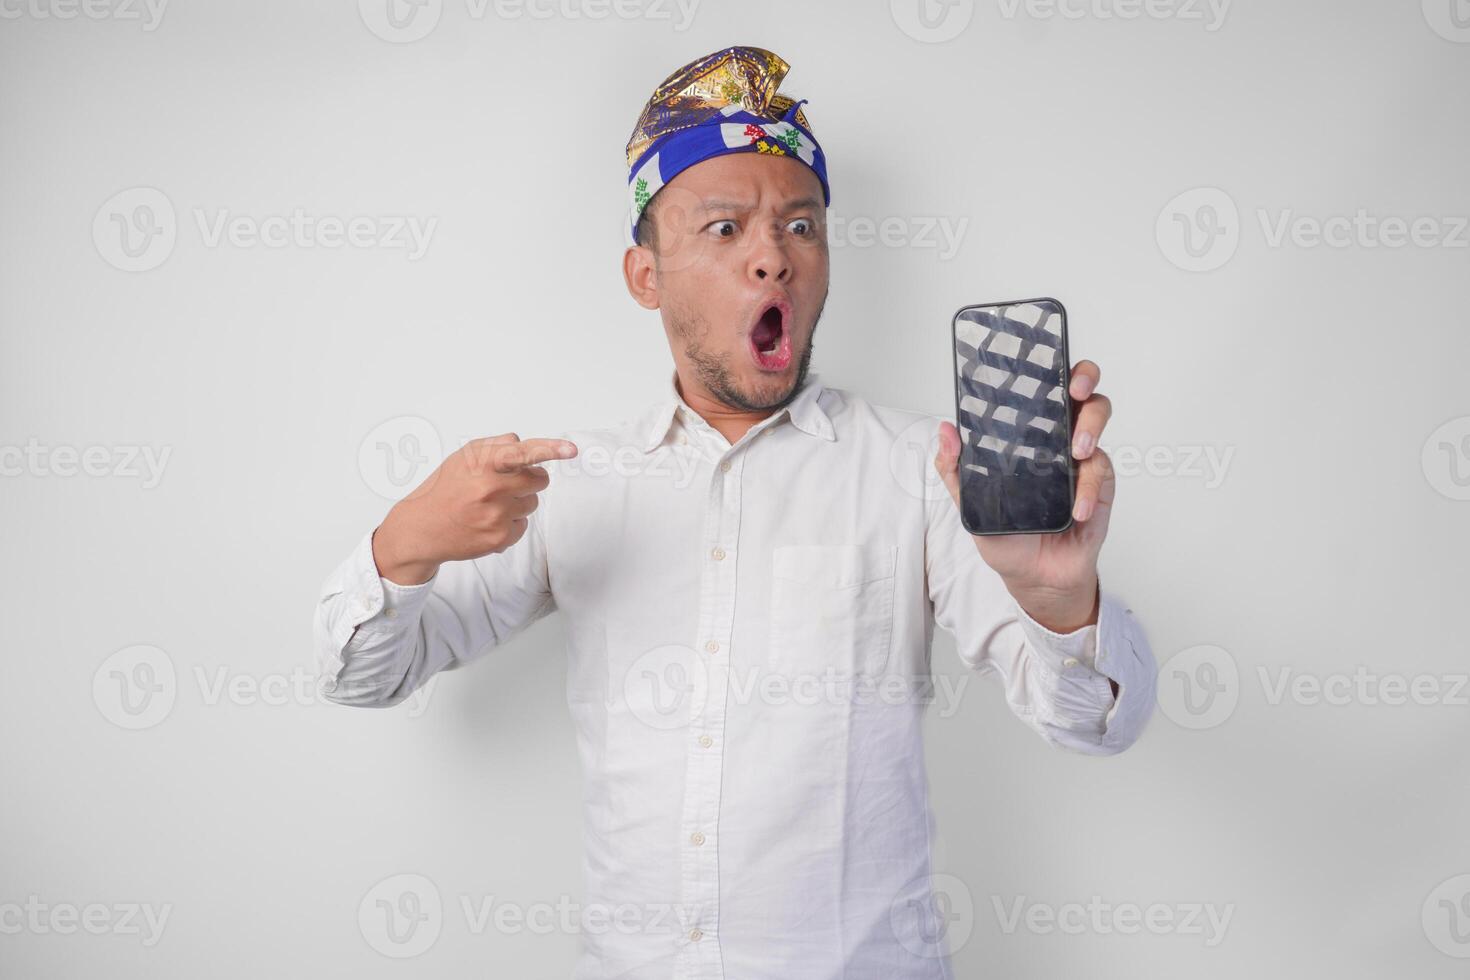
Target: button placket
(699, 871)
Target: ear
(640, 276)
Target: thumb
(947, 460)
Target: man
(750, 573)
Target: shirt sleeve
(1058, 683)
(377, 642)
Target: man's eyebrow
(803, 203)
(720, 204)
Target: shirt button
(1070, 662)
(697, 838)
(391, 613)
(713, 646)
(725, 466)
(705, 741)
(695, 935)
(718, 554)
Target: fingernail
(1082, 446)
(568, 448)
(1083, 510)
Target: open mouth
(770, 337)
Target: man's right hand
(476, 503)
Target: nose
(769, 260)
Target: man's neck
(732, 423)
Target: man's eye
(723, 229)
(800, 226)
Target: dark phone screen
(1011, 374)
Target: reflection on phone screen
(1011, 374)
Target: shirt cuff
(1085, 664)
(1079, 698)
(376, 606)
(1073, 653)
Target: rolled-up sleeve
(1058, 683)
(377, 642)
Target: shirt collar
(805, 412)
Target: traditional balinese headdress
(725, 102)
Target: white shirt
(749, 630)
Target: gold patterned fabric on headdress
(726, 102)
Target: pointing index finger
(529, 452)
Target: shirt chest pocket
(831, 609)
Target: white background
(1057, 142)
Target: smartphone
(1011, 372)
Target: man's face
(739, 271)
